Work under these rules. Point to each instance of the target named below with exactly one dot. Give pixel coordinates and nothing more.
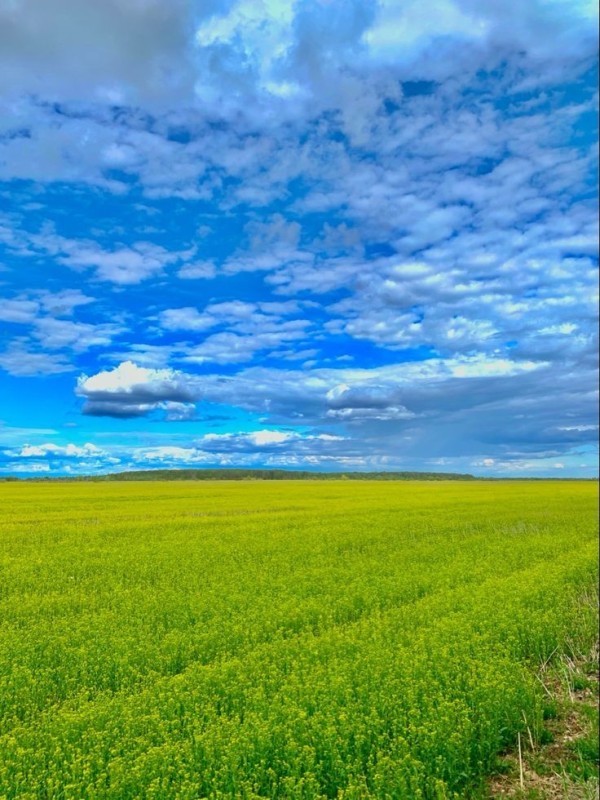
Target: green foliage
(585, 751)
(280, 640)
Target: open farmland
(282, 640)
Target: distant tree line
(234, 474)
(276, 475)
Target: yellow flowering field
(282, 639)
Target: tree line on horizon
(239, 474)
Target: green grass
(583, 763)
(281, 640)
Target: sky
(322, 234)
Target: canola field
(307, 640)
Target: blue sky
(328, 234)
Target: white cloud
(20, 361)
(64, 302)
(371, 413)
(178, 412)
(477, 366)
(124, 378)
(579, 428)
(121, 264)
(130, 390)
(124, 265)
(186, 319)
(266, 437)
(25, 308)
(169, 453)
(19, 310)
(50, 449)
(28, 467)
(244, 339)
(57, 334)
(197, 270)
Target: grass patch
(563, 763)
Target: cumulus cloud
(50, 449)
(131, 391)
(261, 438)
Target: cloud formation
(372, 221)
(131, 391)
(398, 414)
